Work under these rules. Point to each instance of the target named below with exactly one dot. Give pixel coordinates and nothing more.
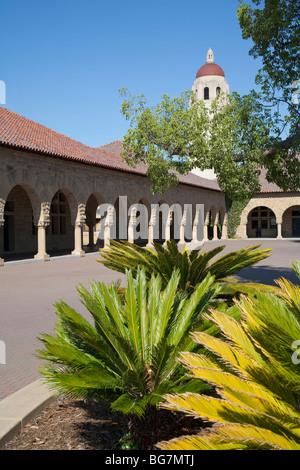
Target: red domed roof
(210, 69)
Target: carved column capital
(109, 220)
(133, 218)
(44, 219)
(81, 215)
(153, 218)
(183, 219)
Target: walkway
(29, 290)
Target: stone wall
(282, 205)
(32, 180)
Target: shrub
(128, 356)
(255, 374)
(193, 266)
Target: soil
(89, 425)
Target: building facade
(52, 189)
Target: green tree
(238, 139)
(274, 28)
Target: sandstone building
(51, 187)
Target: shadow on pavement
(266, 274)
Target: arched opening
(291, 222)
(175, 221)
(60, 232)
(219, 226)
(206, 93)
(143, 221)
(161, 222)
(210, 227)
(90, 239)
(117, 209)
(222, 225)
(261, 223)
(122, 217)
(218, 90)
(20, 231)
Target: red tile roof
(210, 69)
(267, 187)
(22, 133)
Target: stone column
(224, 235)
(215, 232)
(42, 254)
(109, 222)
(80, 221)
(279, 230)
(132, 224)
(78, 240)
(198, 223)
(205, 227)
(182, 228)
(151, 225)
(168, 227)
(43, 223)
(205, 233)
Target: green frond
(129, 404)
(193, 266)
(252, 371)
(296, 267)
(127, 354)
(196, 443)
(232, 437)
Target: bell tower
(210, 80)
(209, 83)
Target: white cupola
(210, 81)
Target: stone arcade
(51, 187)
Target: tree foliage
(274, 28)
(258, 130)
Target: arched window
(58, 214)
(262, 223)
(206, 93)
(218, 90)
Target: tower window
(218, 90)
(206, 93)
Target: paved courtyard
(28, 292)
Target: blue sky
(63, 62)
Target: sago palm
(256, 372)
(127, 354)
(193, 265)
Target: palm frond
(193, 266)
(251, 369)
(128, 355)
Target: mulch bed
(88, 425)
